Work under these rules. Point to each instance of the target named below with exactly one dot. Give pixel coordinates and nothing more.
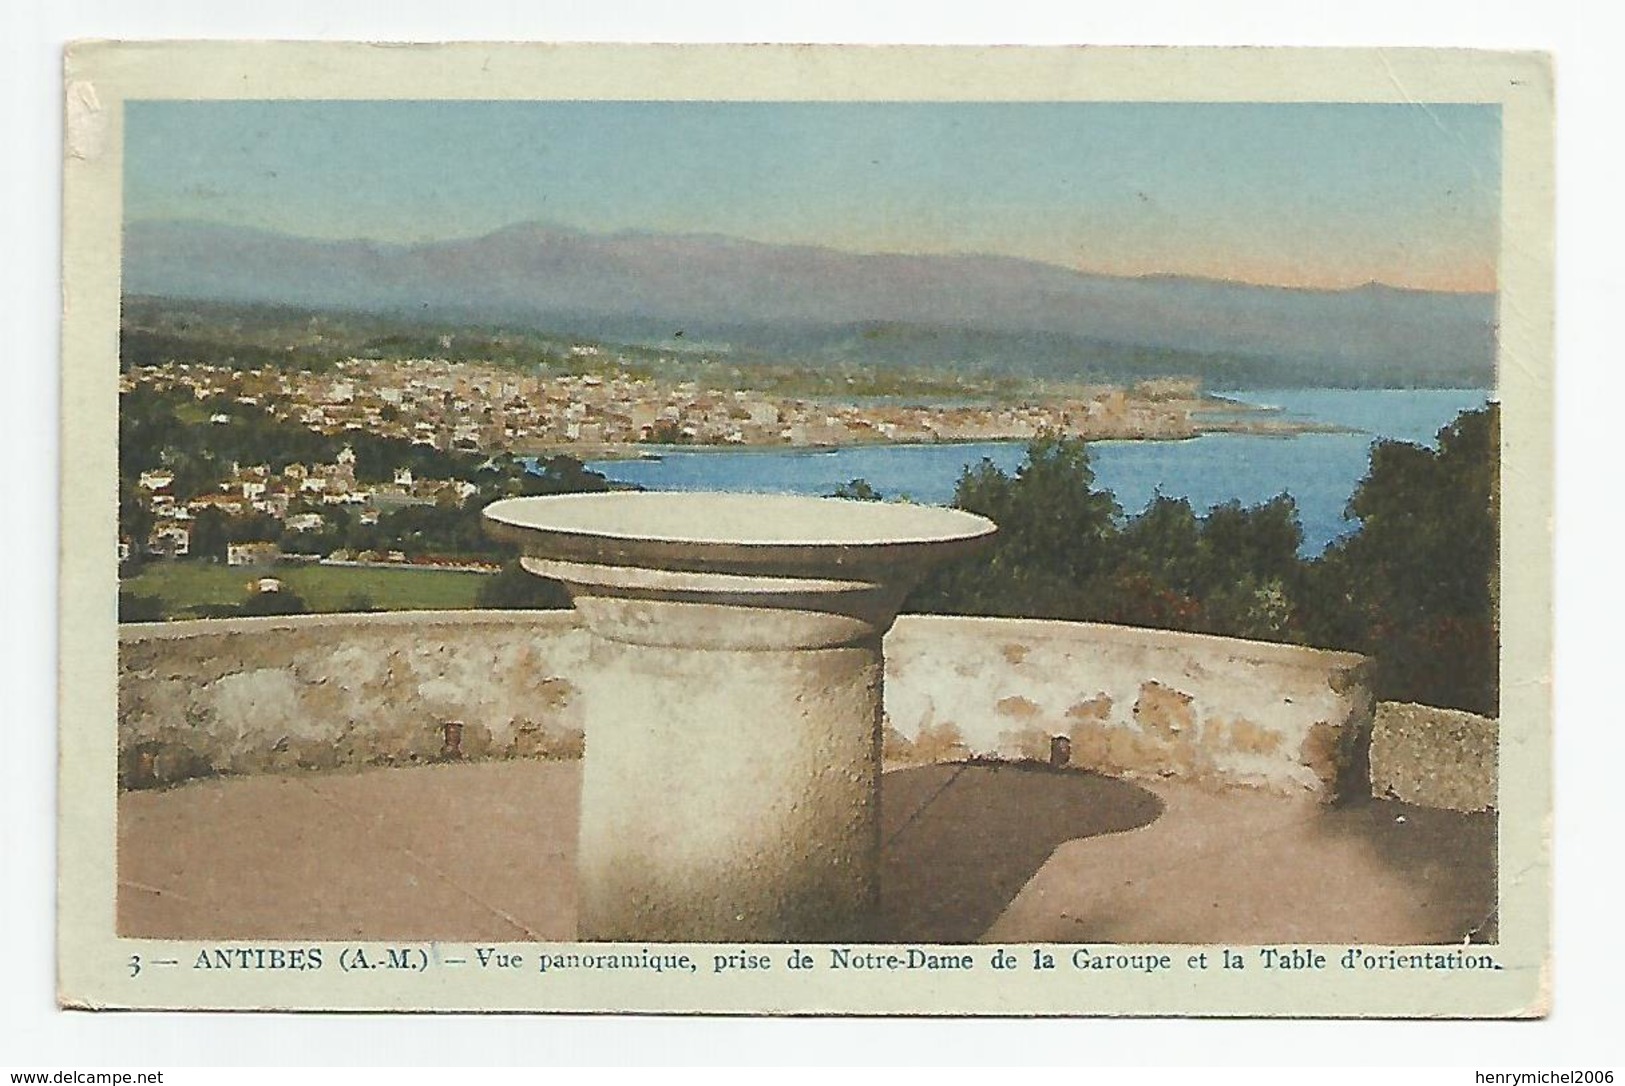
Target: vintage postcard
(806, 530)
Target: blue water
(1320, 471)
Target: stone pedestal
(730, 790)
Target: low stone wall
(319, 691)
(252, 695)
(1435, 757)
(1129, 702)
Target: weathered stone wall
(1435, 757)
(1129, 702)
(251, 695)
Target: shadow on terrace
(288, 778)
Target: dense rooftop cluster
(481, 407)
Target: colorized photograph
(874, 530)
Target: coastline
(1272, 426)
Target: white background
(1584, 1029)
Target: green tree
(856, 490)
(1249, 572)
(1157, 579)
(1234, 571)
(284, 602)
(135, 518)
(137, 608)
(210, 533)
(1056, 534)
(516, 588)
(255, 527)
(1064, 551)
(1415, 586)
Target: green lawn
(184, 586)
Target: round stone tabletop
(744, 532)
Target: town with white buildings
(488, 409)
(299, 499)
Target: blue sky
(1318, 195)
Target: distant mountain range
(817, 305)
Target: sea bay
(1319, 470)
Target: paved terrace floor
(1009, 853)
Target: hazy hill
(983, 312)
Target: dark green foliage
(1230, 572)
(134, 608)
(162, 429)
(559, 475)
(144, 347)
(428, 529)
(285, 602)
(1056, 535)
(1415, 587)
(211, 531)
(252, 528)
(516, 588)
(857, 490)
(135, 520)
(1065, 551)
